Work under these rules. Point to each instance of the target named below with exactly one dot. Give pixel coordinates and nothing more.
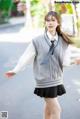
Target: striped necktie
(51, 51)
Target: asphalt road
(11, 29)
(16, 94)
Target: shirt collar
(52, 37)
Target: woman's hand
(77, 61)
(9, 74)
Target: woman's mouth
(50, 26)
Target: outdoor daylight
(39, 59)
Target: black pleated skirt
(50, 92)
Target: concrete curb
(13, 22)
(9, 25)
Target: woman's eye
(48, 20)
(53, 20)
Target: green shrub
(5, 9)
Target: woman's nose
(50, 22)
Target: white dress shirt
(29, 55)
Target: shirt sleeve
(67, 57)
(27, 58)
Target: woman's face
(51, 23)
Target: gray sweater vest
(51, 73)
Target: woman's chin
(51, 30)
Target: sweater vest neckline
(48, 40)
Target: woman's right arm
(27, 58)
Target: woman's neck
(53, 33)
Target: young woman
(47, 52)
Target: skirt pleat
(50, 92)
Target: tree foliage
(64, 8)
(38, 11)
(5, 8)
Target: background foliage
(5, 9)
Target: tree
(5, 10)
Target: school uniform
(47, 65)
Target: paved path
(16, 95)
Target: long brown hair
(65, 36)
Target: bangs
(53, 14)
